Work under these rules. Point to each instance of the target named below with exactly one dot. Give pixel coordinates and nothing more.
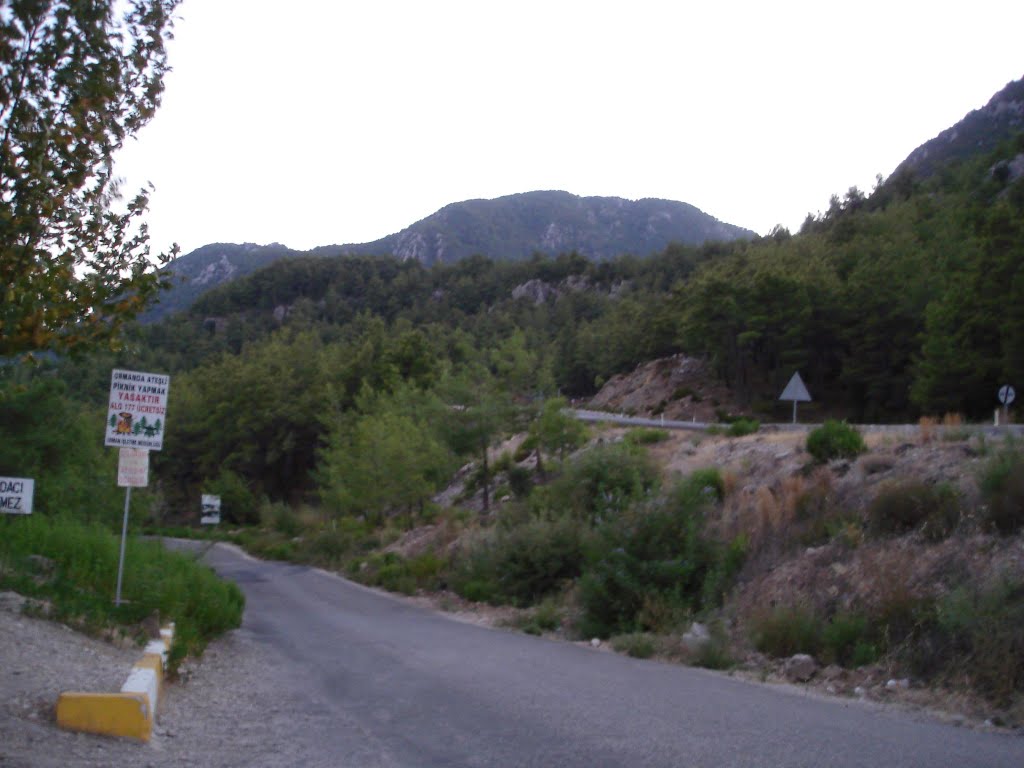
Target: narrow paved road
(391, 684)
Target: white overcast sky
(312, 122)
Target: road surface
(369, 679)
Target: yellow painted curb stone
(130, 713)
(111, 714)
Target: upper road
(388, 683)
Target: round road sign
(1006, 394)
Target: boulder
(800, 668)
(696, 637)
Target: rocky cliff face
(980, 132)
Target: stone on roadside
(696, 637)
(800, 668)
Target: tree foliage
(75, 83)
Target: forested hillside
(339, 404)
(905, 301)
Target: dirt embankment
(678, 387)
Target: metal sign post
(796, 391)
(124, 537)
(136, 413)
(132, 472)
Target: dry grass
(769, 517)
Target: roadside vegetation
(407, 426)
(63, 558)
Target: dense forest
(902, 302)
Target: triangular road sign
(796, 391)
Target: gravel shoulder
(225, 710)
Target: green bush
(639, 645)
(523, 563)
(654, 556)
(603, 482)
(646, 436)
(58, 442)
(546, 617)
(339, 540)
(742, 427)
(681, 393)
(835, 440)
(786, 630)
(975, 635)
(902, 507)
(845, 640)
(520, 481)
(702, 486)
(1002, 488)
(714, 654)
(237, 502)
(281, 518)
(527, 447)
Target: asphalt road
(391, 684)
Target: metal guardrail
(703, 426)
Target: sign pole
(135, 424)
(124, 536)
(796, 391)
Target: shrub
(522, 453)
(902, 507)
(786, 630)
(639, 645)
(835, 440)
(742, 427)
(238, 504)
(701, 486)
(54, 440)
(651, 564)
(522, 564)
(603, 482)
(714, 654)
(278, 516)
(1002, 488)
(547, 615)
(520, 481)
(646, 436)
(977, 634)
(342, 538)
(845, 640)
(397, 574)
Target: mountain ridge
(511, 227)
(548, 221)
(980, 131)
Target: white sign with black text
(16, 495)
(211, 510)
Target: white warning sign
(137, 411)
